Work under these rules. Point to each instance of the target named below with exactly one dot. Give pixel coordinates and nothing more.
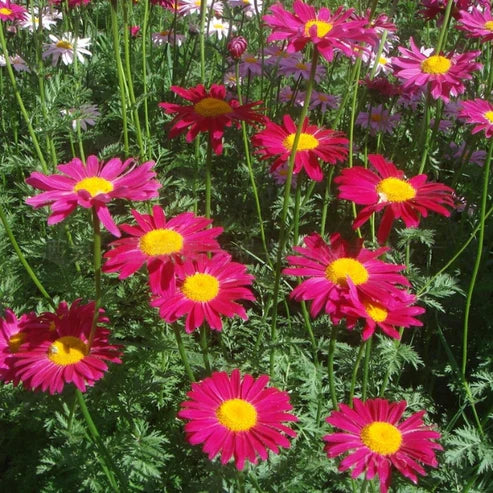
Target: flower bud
(237, 47)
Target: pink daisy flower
(379, 120)
(444, 74)
(14, 332)
(437, 8)
(300, 68)
(12, 12)
(480, 112)
(388, 189)
(93, 184)
(250, 65)
(332, 268)
(237, 417)
(377, 439)
(325, 30)
(324, 101)
(206, 288)
(386, 316)
(477, 24)
(315, 143)
(287, 95)
(160, 244)
(64, 356)
(209, 112)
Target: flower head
(314, 144)
(237, 46)
(40, 17)
(477, 24)
(388, 189)
(378, 120)
(65, 48)
(480, 112)
(325, 30)
(444, 74)
(12, 12)
(206, 288)
(93, 184)
(84, 116)
(238, 417)
(209, 112)
(160, 243)
(377, 439)
(65, 355)
(332, 268)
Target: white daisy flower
(64, 48)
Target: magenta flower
(51, 360)
(160, 244)
(93, 184)
(206, 288)
(388, 189)
(332, 268)
(12, 12)
(237, 417)
(444, 74)
(480, 112)
(377, 439)
(325, 30)
(477, 24)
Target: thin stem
(444, 29)
(205, 348)
(332, 347)
(284, 213)
(145, 23)
(203, 4)
(355, 372)
(20, 102)
(107, 460)
(183, 353)
(97, 273)
(208, 182)
(23, 260)
(250, 169)
(479, 253)
(120, 72)
(366, 368)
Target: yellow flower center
(64, 44)
(218, 26)
(488, 25)
(212, 107)
(301, 66)
(161, 242)
(67, 350)
(250, 59)
(237, 415)
(164, 33)
(200, 287)
(339, 270)
(381, 437)
(15, 341)
(322, 28)
(376, 311)
(382, 60)
(305, 143)
(436, 65)
(489, 116)
(376, 117)
(94, 185)
(395, 190)
(5, 11)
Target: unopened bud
(237, 47)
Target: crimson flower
(209, 112)
(388, 189)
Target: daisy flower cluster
(50, 350)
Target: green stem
(183, 353)
(355, 372)
(444, 29)
(284, 213)
(366, 367)
(208, 181)
(250, 170)
(145, 23)
(23, 260)
(96, 437)
(332, 347)
(479, 253)
(120, 72)
(97, 274)
(203, 4)
(27, 120)
(205, 348)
